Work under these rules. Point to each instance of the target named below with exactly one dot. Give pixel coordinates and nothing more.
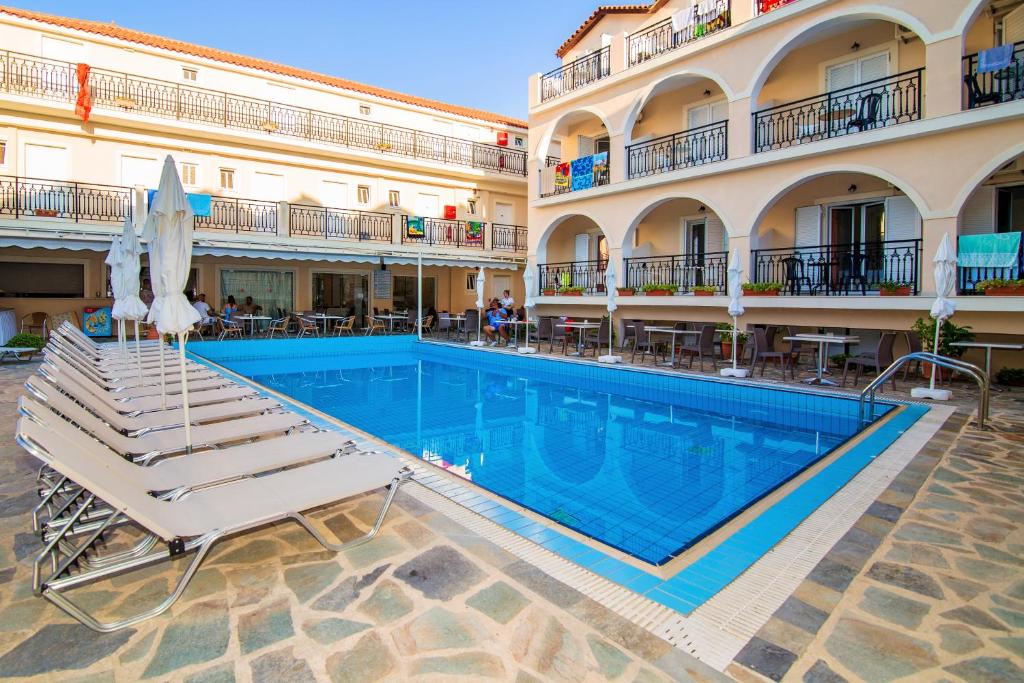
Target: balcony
(686, 271)
(572, 277)
(554, 181)
(878, 103)
(445, 233)
(228, 214)
(765, 6)
(693, 147)
(72, 201)
(339, 224)
(508, 237)
(969, 277)
(994, 87)
(576, 74)
(663, 36)
(840, 269)
(30, 76)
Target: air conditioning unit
(904, 34)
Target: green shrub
(950, 334)
(893, 285)
(995, 283)
(24, 340)
(568, 289)
(1011, 376)
(762, 286)
(725, 334)
(660, 286)
(704, 288)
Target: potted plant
(762, 288)
(704, 290)
(839, 360)
(950, 334)
(659, 289)
(45, 213)
(1011, 377)
(1001, 287)
(548, 291)
(625, 291)
(725, 335)
(570, 291)
(26, 340)
(893, 288)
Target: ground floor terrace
(922, 583)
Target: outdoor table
(579, 328)
(672, 331)
(251, 319)
(823, 340)
(515, 330)
(322, 317)
(988, 346)
(391, 318)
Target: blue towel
(583, 173)
(995, 59)
(200, 203)
(991, 250)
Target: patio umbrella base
(934, 394)
(609, 359)
(527, 349)
(734, 372)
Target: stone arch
(627, 238)
(652, 90)
(541, 151)
(978, 178)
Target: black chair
(705, 346)
(851, 271)
(975, 96)
(558, 335)
(913, 346)
(472, 322)
(795, 275)
(598, 341)
(644, 344)
(763, 352)
(867, 113)
(628, 334)
(880, 358)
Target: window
(42, 280)
(1010, 209)
(471, 281)
(188, 74)
(46, 162)
(272, 289)
(268, 186)
(364, 109)
(363, 194)
(394, 199)
(856, 71)
(704, 114)
(144, 171)
(403, 296)
(188, 174)
(471, 207)
(333, 193)
(227, 179)
(3, 152)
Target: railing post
(828, 113)
(74, 199)
(225, 110)
(177, 102)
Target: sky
(476, 53)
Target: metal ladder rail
(974, 371)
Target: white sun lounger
(70, 330)
(114, 370)
(135, 425)
(127, 391)
(15, 352)
(192, 521)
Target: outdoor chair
(797, 349)
(598, 339)
(913, 346)
(644, 343)
(975, 96)
(190, 523)
(308, 327)
(345, 325)
(851, 272)
(35, 323)
(472, 324)
(796, 278)
(559, 335)
(151, 385)
(410, 321)
(704, 346)
(114, 375)
(867, 113)
(228, 328)
(544, 327)
(374, 325)
(444, 324)
(763, 352)
(71, 331)
(279, 326)
(880, 358)
(628, 334)
(426, 325)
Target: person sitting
(507, 302)
(497, 325)
(230, 308)
(146, 293)
(204, 309)
(249, 308)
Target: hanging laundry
(562, 172)
(83, 104)
(474, 232)
(995, 59)
(583, 173)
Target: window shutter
(582, 248)
(979, 213)
(808, 226)
(875, 66)
(714, 234)
(584, 146)
(902, 221)
(140, 171)
(719, 111)
(1013, 26)
(697, 116)
(841, 76)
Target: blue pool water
(644, 462)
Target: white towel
(682, 19)
(547, 180)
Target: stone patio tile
(60, 647)
(800, 614)
(767, 659)
(907, 578)
(472, 665)
(988, 670)
(876, 653)
(199, 634)
(370, 660)
(894, 608)
(440, 573)
(265, 626)
(307, 581)
(499, 601)
(281, 665)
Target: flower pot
(774, 292)
(899, 291)
(727, 351)
(151, 333)
(625, 291)
(659, 292)
(943, 373)
(701, 292)
(1002, 291)
(571, 293)
(46, 213)
(548, 292)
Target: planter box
(996, 291)
(570, 294)
(746, 293)
(625, 291)
(659, 292)
(45, 213)
(943, 373)
(900, 291)
(548, 292)
(698, 292)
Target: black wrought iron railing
(693, 147)
(838, 269)
(447, 233)
(683, 270)
(55, 80)
(342, 224)
(552, 161)
(576, 74)
(662, 37)
(993, 87)
(508, 237)
(21, 197)
(239, 215)
(570, 277)
(874, 104)
(968, 277)
(763, 6)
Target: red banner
(83, 105)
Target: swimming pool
(648, 463)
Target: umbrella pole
(735, 335)
(138, 352)
(935, 368)
(184, 392)
(163, 376)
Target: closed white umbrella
(114, 260)
(609, 286)
(128, 305)
(527, 305)
(735, 285)
(170, 224)
(480, 279)
(943, 308)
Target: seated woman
(230, 308)
(497, 325)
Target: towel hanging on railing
(995, 59)
(83, 103)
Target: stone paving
(928, 585)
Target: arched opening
(994, 55)
(679, 241)
(990, 229)
(572, 257)
(842, 233)
(844, 75)
(681, 122)
(575, 155)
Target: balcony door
(856, 235)
(696, 246)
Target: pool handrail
(956, 364)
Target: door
(857, 233)
(47, 162)
(582, 248)
(499, 284)
(695, 248)
(504, 214)
(46, 167)
(427, 205)
(334, 194)
(144, 171)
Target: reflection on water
(650, 478)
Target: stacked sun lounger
(113, 461)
